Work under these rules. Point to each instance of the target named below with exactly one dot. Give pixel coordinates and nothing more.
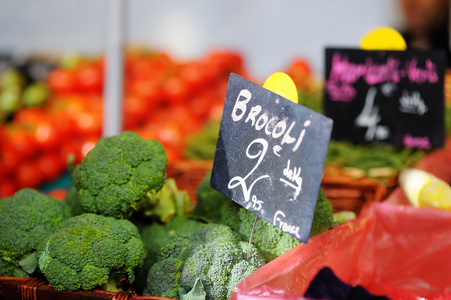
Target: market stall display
(155, 213)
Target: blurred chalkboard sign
(394, 97)
(270, 156)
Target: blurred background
(172, 73)
(267, 33)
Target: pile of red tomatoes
(163, 99)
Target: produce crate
(13, 288)
(345, 192)
(354, 194)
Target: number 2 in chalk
(241, 181)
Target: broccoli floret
(27, 218)
(119, 171)
(214, 253)
(154, 237)
(89, 250)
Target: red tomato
(58, 193)
(46, 135)
(10, 159)
(300, 71)
(88, 124)
(50, 166)
(146, 88)
(194, 76)
(7, 188)
(29, 116)
(63, 124)
(176, 89)
(299, 68)
(90, 77)
(62, 81)
(135, 111)
(28, 175)
(146, 133)
(222, 62)
(21, 141)
(70, 150)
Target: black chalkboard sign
(393, 97)
(270, 156)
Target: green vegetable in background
(10, 99)
(372, 157)
(27, 218)
(35, 94)
(203, 145)
(118, 172)
(91, 251)
(12, 77)
(214, 254)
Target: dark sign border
(274, 165)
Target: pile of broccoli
(214, 253)
(123, 218)
(85, 241)
(27, 218)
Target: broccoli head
(269, 239)
(90, 250)
(27, 218)
(214, 254)
(155, 236)
(119, 171)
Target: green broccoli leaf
(195, 292)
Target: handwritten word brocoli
(270, 156)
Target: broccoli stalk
(167, 203)
(89, 251)
(118, 172)
(27, 218)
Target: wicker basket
(354, 194)
(345, 192)
(13, 288)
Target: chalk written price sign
(394, 97)
(270, 156)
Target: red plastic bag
(396, 251)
